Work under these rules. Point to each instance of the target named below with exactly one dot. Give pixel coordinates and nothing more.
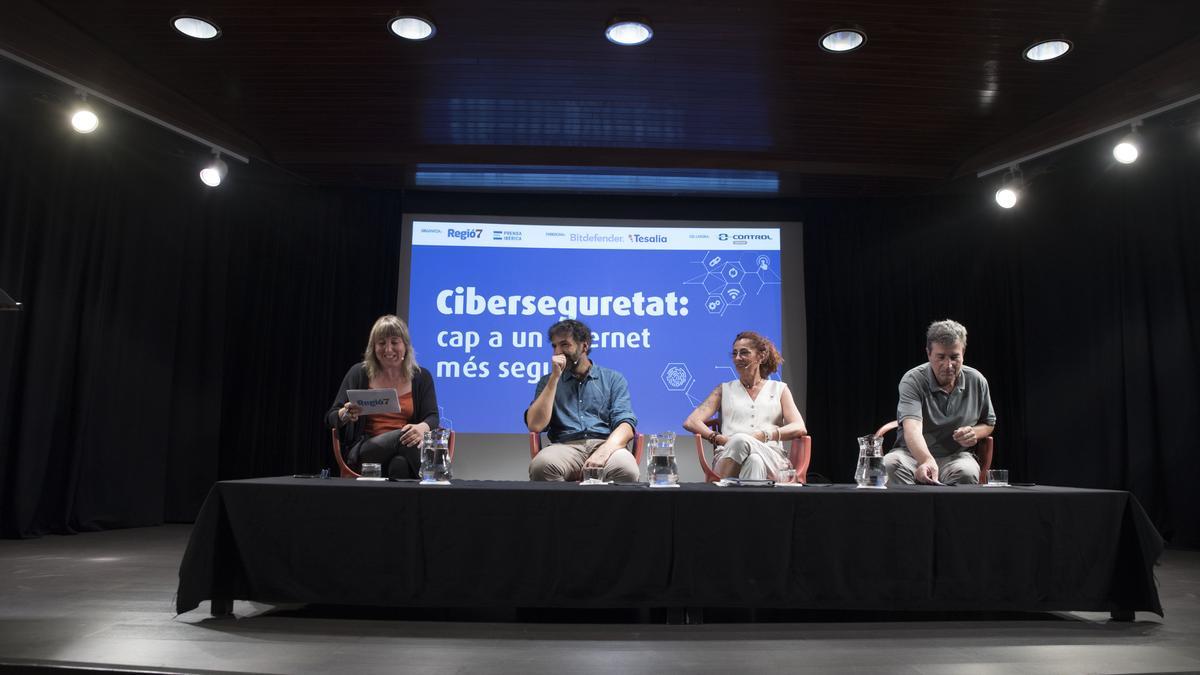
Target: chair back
(983, 450)
(799, 454)
(638, 442)
(345, 469)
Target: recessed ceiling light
(841, 40)
(1047, 50)
(413, 28)
(195, 27)
(628, 32)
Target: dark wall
(177, 335)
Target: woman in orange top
(392, 439)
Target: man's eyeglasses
(741, 352)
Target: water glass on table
(997, 477)
(372, 470)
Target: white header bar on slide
(499, 235)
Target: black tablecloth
(515, 544)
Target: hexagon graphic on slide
(733, 294)
(752, 283)
(732, 272)
(676, 377)
(715, 304)
(713, 283)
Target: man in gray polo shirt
(945, 409)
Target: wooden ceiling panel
(323, 89)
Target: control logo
(743, 238)
(464, 235)
(643, 239)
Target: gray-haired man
(945, 409)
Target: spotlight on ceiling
(1126, 150)
(628, 31)
(214, 173)
(412, 27)
(195, 27)
(1047, 50)
(842, 40)
(1010, 191)
(83, 119)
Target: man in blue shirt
(585, 410)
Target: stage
(106, 599)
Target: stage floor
(106, 599)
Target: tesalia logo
(643, 239)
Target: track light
(214, 173)
(628, 31)
(1126, 150)
(83, 119)
(1010, 191)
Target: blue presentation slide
(663, 304)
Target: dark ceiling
(323, 90)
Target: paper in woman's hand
(375, 401)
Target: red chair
(347, 472)
(535, 445)
(799, 454)
(982, 449)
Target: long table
(520, 544)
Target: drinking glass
(372, 470)
(998, 477)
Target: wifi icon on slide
(734, 294)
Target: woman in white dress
(757, 414)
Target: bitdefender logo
(643, 239)
(464, 234)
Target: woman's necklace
(752, 388)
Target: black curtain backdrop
(1081, 307)
(176, 335)
(173, 335)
